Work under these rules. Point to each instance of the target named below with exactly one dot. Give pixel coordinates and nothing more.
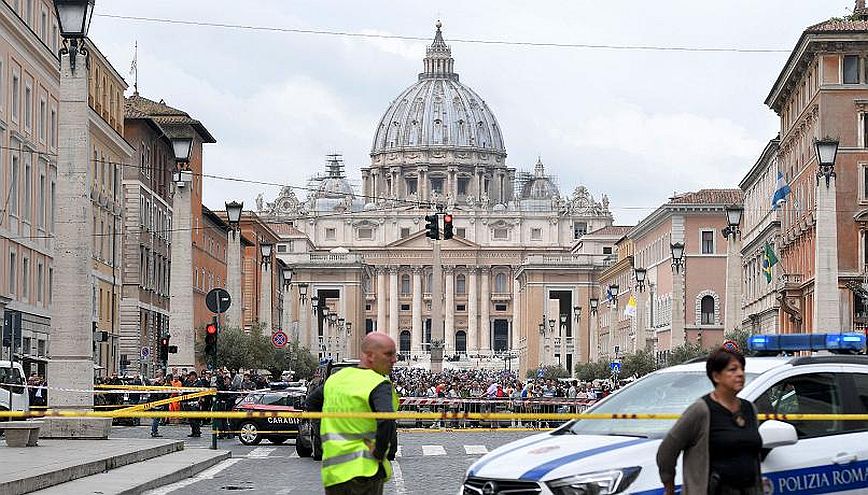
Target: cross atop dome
(438, 62)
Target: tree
(237, 348)
(739, 336)
(638, 364)
(685, 352)
(588, 372)
(549, 372)
(297, 358)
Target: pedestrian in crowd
(155, 422)
(174, 380)
(193, 405)
(718, 434)
(225, 402)
(357, 451)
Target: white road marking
(398, 477)
(260, 452)
(433, 450)
(207, 474)
(398, 452)
(475, 449)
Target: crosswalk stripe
(433, 450)
(261, 452)
(294, 455)
(475, 449)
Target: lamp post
(731, 318)
(613, 290)
(593, 305)
(678, 335)
(638, 323)
(266, 291)
(288, 313)
(640, 274)
(71, 364)
(827, 301)
(233, 262)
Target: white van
(11, 376)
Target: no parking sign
(278, 339)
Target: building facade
(365, 254)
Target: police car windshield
(657, 393)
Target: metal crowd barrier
(457, 408)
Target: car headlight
(599, 483)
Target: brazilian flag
(769, 260)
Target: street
(277, 469)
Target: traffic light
(164, 348)
(432, 227)
(447, 226)
(211, 341)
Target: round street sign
(218, 300)
(279, 339)
(146, 351)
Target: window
(463, 185)
(16, 97)
(461, 232)
(330, 234)
(501, 234)
(405, 307)
(53, 129)
(607, 250)
(40, 281)
(50, 285)
(707, 242)
(28, 187)
(851, 69)
(43, 119)
(40, 199)
(281, 248)
(25, 279)
(366, 233)
(500, 307)
(579, 229)
(859, 405)
(816, 393)
(536, 234)
(405, 284)
(13, 187)
(706, 306)
(2, 89)
(13, 274)
(405, 232)
(461, 308)
(28, 107)
(412, 186)
(437, 185)
(460, 284)
(500, 283)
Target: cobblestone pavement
(429, 462)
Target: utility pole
(438, 334)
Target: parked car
(251, 431)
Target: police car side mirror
(777, 434)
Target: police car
(251, 431)
(802, 457)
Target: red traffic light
(211, 329)
(447, 218)
(164, 341)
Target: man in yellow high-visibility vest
(357, 451)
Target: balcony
(323, 259)
(501, 296)
(579, 260)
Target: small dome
(499, 207)
(339, 250)
(335, 187)
(540, 186)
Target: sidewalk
(53, 462)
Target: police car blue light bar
(845, 343)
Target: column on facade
(416, 336)
(265, 295)
(381, 299)
(827, 298)
(450, 309)
(366, 185)
(394, 190)
(478, 181)
(452, 185)
(497, 194)
(472, 314)
(375, 184)
(306, 334)
(181, 323)
(732, 315)
(678, 335)
(288, 312)
(393, 303)
(485, 310)
(422, 183)
(516, 314)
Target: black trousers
(372, 485)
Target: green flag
(769, 260)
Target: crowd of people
(488, 384)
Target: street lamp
(333, 318)
(349, 326)
(827, 151)
(542, 328)
(552, 325)
(302, 292)
(287, 278)
(578, 311)
(265, 249)
(677, 256)
(325, 312)
(73, 17)
(314, 302)
(641, 274)
(233, 213)
(594, 303)
(733, 219)
(613, 292)
(563, 321)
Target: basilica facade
(517, 276)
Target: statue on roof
(260, 200)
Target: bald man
(359, 390)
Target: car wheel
(248, 433)
(277, 440)
(303, 447)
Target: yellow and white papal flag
(630, 310)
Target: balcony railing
(563, 260)
(322, 258)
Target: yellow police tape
(145, 387)
(149, 405)
(122, 413)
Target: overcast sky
(634, 124)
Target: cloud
(410, 50)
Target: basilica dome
(438, 111)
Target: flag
(609, 296)
(781, 191)
(769, 260)
(630, 309)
